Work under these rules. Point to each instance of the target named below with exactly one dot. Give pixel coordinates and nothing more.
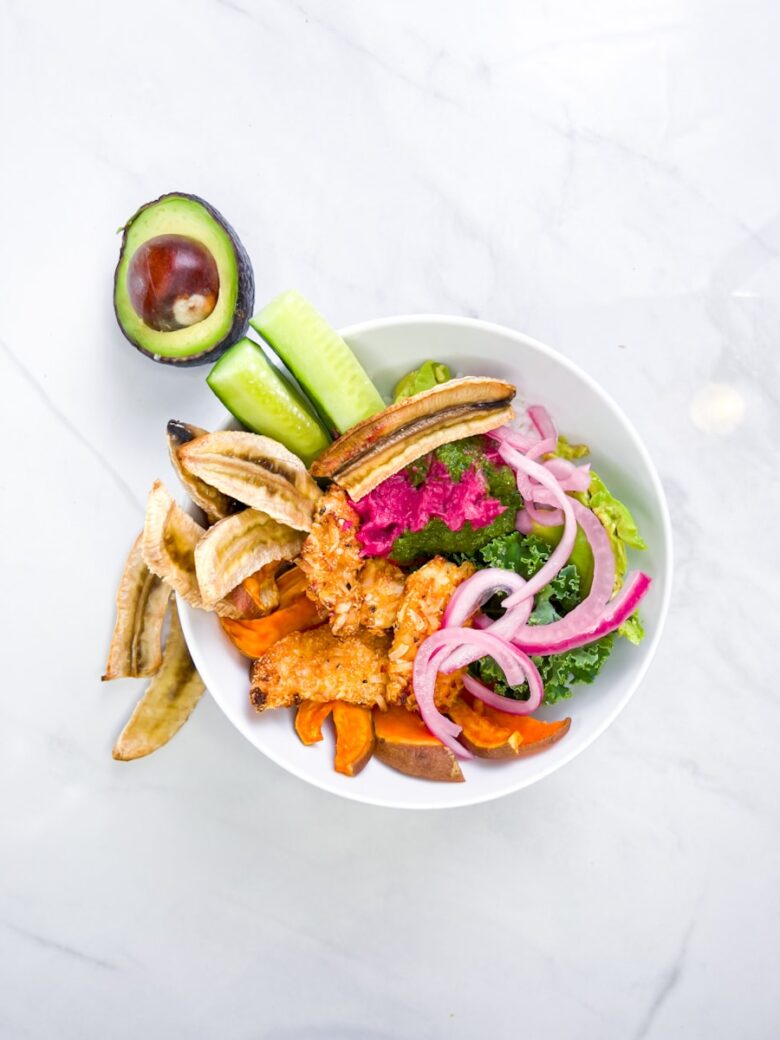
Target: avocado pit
(172, 282)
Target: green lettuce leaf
(559, 672)
(428, 375)
(633, 629)
(617, 520)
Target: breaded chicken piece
(425, 598)
(355, 591)
(318, 666)
(381, 588)
(331, 561)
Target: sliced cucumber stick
(319, 359)
(264, 401)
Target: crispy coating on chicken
(381, 588)
(318, 666)
(331, 561)
(427, 592)
(356, 592)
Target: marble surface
(603, 176)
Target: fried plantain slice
(238, 546)
(141, 600)
(169, 541)
(168, 701)
(384, 444)
(214, 504)
(254, 470)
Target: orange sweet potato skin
(403, 742)
(354, 737)
(254, 636)
(537, 735)
(309, 719)
(483, 736)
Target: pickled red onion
(545, 427)
(497, 700)
(559, 637)
(562, 551)
(586, 614)
(476, 591)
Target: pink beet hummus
(397, 506)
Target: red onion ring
(587, 614)
(552, 639)
(563, 549)
(497, 700)
(476, 591)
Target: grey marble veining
(603, 176)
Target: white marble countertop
(603, 176)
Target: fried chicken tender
(427, 593)
(316, 665)
(356, 592)
(381, 587)
(331, 561)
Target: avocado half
(181, 218)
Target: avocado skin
(245, 299)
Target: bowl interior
(388, 348)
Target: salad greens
(526, 555)
(617, 520)
(559, 672)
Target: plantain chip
(168, 701)
(255, 470)
(214, 504)
(238, 546)
(169, 541)
(384, 444)
(141, 600)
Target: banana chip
(238, 546)
(169, 541)
(167, 703)
(141, 600)
(254, 470)
(214, 504)
(385, 443)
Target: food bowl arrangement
(388, 348)
(407, 567)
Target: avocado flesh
(191, 217)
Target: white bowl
(388, 348)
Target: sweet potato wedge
(483, 736)
(309, 719)
(404, 742)
(291, 585)
(536, 733)
(253, 637)
(354, 737)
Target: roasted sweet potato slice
(262, 589)
(354, 737)
(254, 636)
(291, 585)
(536, 733)
(483, 736)
(404, 742)
(309, 719)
